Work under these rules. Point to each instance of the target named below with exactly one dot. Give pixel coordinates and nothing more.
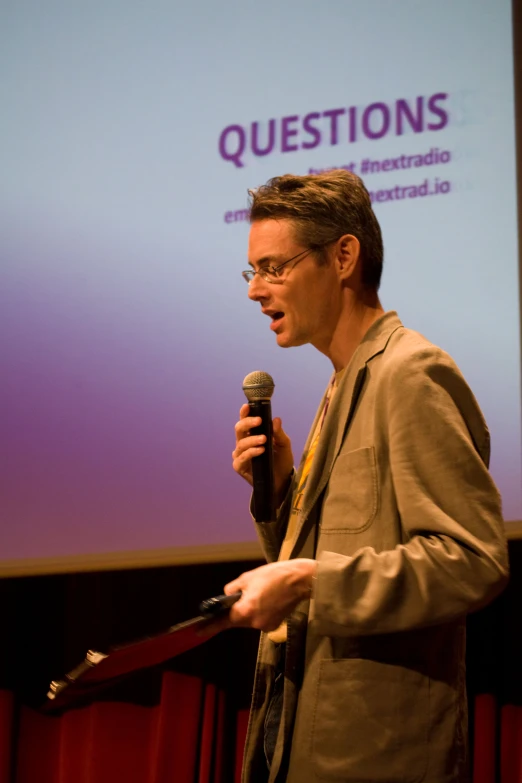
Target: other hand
(270, 593)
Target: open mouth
(276, 319)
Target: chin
(287, 341)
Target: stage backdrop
(130, 135)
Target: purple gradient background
(99, 454)
(119, 432)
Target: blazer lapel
(335, 425)
(339, 416)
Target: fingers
(280, 436)
(249, 613)
(243, 613)
(247, 446)
(238, 616)
(245, 424)
(257, 607)
(245, 451)
(251, 443)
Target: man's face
(304, 304)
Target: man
(389, 532)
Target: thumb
(233, 587)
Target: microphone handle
(263, 465)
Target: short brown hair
(323, 207)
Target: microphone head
(258, 385)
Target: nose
(257, 289)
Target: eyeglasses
(272, 274)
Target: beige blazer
(405, 521)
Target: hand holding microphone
(266, 469)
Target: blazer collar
(376, 338)
(341, 411)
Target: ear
(347, 253)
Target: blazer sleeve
(453, 555)
(271, 534)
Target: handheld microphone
(258, 387)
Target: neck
(357, 315)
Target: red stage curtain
(184, 739)
(497, 746)
(181, 739)
(7, 720)
(511, 744)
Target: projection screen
(131, 134)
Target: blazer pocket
(370, 722)
(351, 498)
